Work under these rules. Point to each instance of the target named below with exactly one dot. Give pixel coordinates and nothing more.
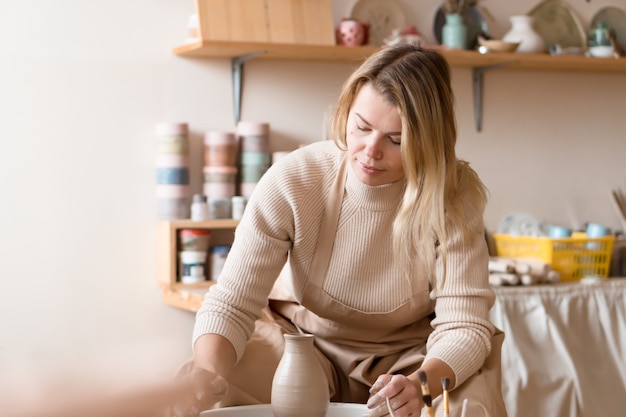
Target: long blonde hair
(440, 189)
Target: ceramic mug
(602, 51)
(560, 232)
(597, 230)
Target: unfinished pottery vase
(299, 387)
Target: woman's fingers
(381, 381)
(209, 388)
(404, 399)
(205, 389)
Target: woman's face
(373, 139)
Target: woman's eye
(395, 140)
(362, 128)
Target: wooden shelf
(224, 49)
(240, 52)
(175, 293)
(184, 299)
(205, 224)
(456, 58)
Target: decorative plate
(523, 224)
(615, 19)
(383, 17)
(558, 25)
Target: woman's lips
(369, 169)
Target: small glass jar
(199, 208)
(600, 44)
(218, 258)
(238, 204)
(600, 35)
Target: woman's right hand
(204, 390)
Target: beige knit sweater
(281, 225)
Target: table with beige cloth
(564, 353)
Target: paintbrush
(445, 383)
(426, 397)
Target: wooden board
(317, 17)
(248, 20)
(213, 19)
(305, 22)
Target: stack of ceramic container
(255, 156)
(194, 247)
(220, 172)
(173, 192)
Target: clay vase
(299, 387)
(522, 31)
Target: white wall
(82, 85)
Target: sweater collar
(374, 198)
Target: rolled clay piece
(501, 265)
(528, 279)
(500, 279)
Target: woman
(377, 241)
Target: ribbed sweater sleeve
(462, 329)
(284, 212)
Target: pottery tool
(445, 383)
(464, 408)
(426, 397)
(619, 205)
(391, 413)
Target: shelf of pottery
(292, 36)
(195, 233)
(190, 255)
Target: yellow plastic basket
(574, 257)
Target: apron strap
(328, 230)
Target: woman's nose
(373, 147)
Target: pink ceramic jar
(351, 32)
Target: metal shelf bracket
(237, 72)
(478, 76)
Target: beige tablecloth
(564, 353)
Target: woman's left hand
(404, 397)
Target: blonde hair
(440, 189)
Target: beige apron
(354, 347)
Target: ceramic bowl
(495, 45)
(602, 51)
(265, 410)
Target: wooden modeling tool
(445, 383)
(464, 409)
(426, 397)
(391, 413)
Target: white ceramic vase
(522, 31)
(299, 387)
